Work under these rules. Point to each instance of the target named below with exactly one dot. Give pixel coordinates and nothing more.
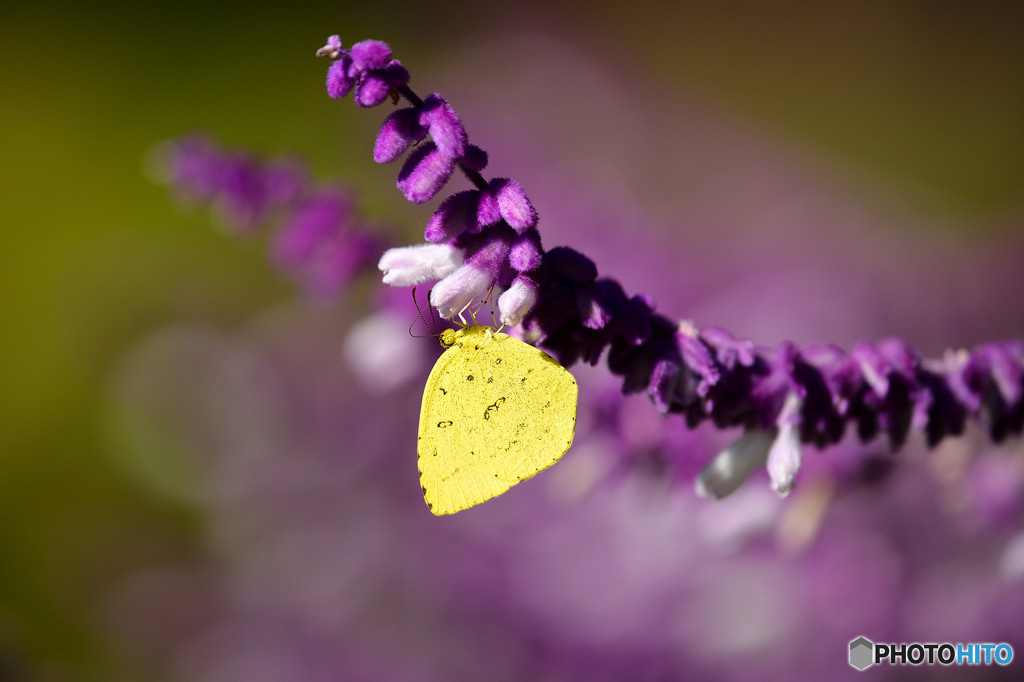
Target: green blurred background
(925, 97)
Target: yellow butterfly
(495, 412)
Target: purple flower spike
(400, 130)
(370, 54)
(444, 125)
(455, 215)
(339, 80)
(485, 241)
(372, 89)
(513, 204)
(424, 174)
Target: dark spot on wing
(469, 378)
(424, 489)
(497, 362)
(443, 392)
(444, 425)
(492, 408)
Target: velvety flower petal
(488, 212)
(339, 81)
(409, 265)
(399, 131)
(513, 204)
(424, 174)
(516, 301)
(492, 254)
(395, 74)
(372, 89)
(526, 252)
(370, 54)
(455, 215)
(444, 125)
(456, 291)
(570, 264)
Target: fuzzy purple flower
(799, 395)
(425, 172)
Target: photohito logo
(864, 653)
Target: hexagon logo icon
(862, 652)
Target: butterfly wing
(495, 412)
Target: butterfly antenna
(429, 327)
(490, 303)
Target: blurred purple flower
(320, 239)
